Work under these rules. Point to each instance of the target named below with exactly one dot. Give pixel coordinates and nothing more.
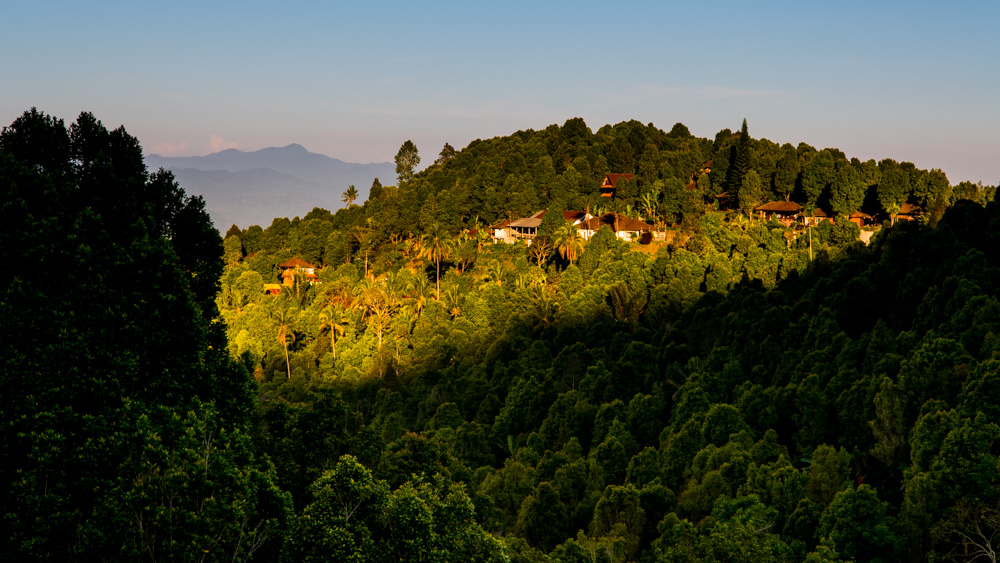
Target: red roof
(612, 179)
(910, 209)
(296, 263)
(572, 216)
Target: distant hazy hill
(250, 188)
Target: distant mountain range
(252, 188)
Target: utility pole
(810, 242)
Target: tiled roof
(296, 263)
(529, 222)
(780, 206)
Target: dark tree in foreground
(124, 421)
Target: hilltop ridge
(248, 188)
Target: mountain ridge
(253, 187)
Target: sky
(914, 81)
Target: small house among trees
(909, 212)
(783, 211)
(501, 230)
(861, 219)
(576, 217)
(524, 229)
(297, 266)
(624, 227)
(817, 217)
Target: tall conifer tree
(739, 160)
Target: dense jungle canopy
(741, 391)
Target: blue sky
(913, 81)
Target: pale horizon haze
(912, 81)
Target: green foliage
(407, 161)
(751, 192)
(893, 186)
(354, 517)
(817, 175)
(126, 426)
(856, 525)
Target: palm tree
(412, 246)
(284, 320)
(453, 301)
(365, 235)
(496, 271)
(543, 312)
(437, 246)
(648, 206)
(569, 242)
(483, 237)
(333, 318)
(380, 321)
(393, 286)
(626, 305)
(377, 307)
(419, 289)
(483, 234)
(350, 195)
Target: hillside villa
(784, 211)
(625, 228)
(297, 266)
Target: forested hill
(745, 391)
(562, 167)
